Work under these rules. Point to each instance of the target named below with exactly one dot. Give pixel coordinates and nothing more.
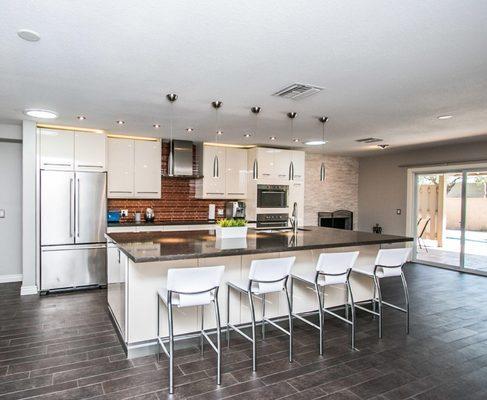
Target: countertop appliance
(340, 219)
(235, 209)
(73, 219)
(149, 215)
(272, 220)
(272, 196)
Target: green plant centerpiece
(227, 228)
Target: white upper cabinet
(282, 165)
(72, 150)
(90, 151)
(56, 149)
(265, 162)
(236, 173)
(212, 186)
(134, 168)
(147, 169)
(298, 160)
(120, 168)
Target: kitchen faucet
(294, 218)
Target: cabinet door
(56, 149)
(236, 173)
(120, 168)
(90, 151)
(265, 160)
(298, 159)
(147, 167)
(282, 164)
(214, 165)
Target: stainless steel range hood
(181, 159)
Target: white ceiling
(389, 68)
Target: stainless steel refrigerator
(73, 224)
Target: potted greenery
(231, 228)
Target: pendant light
(291, 116)
(216, 164)
(255, 167)
(322, 166)
(171, 97)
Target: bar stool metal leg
(320, 315)
(202, 344)
(290, 314)
(158, 329)
(352, 311)
(228, 316)
(263, 317)
(374, 302)
(171, 347)
(252, 315)
(379, 303)
(218, 340)
(406, 295)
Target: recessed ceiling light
(247, 135)
(189, 130)
(156, 126)
(30, 36)
(296, 140)
(219, 132)
(445, 116)
(272, 138)
(44, 114)
(81, 117)
(383, 146)
(315, 142)
(120, 122)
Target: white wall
(11, 202)
(383, 183)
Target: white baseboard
(11, 278)
(26, 290)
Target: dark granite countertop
(160, 223)
(164, 246)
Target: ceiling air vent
(369, 140)
(298, 91)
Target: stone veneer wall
(339, 191)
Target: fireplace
(340, 219)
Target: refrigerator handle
(78, 195)
(71, 233)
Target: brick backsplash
(177, 200)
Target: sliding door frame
(412, 201)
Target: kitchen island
(138, 264)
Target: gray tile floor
(64, 347)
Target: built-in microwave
(272, 196)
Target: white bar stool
(265, 276)
(331, 269)
(190, 287)
(388, 263)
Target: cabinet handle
(282, 175)
(89, 166)
(58, 164)
(213, 193)
(236, 193)
(267, 174)
(148, 192)
(120, 191)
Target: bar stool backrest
(273, 271)
(194, 285)
(336, 263)
(392, 258)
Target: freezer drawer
(73, 266)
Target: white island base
(133, 286)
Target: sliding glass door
(451, 218)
